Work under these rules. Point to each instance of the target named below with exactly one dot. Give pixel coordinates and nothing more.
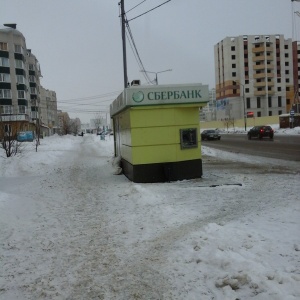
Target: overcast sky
(79, 46)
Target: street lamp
(156, 73)
(245, 117)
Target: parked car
(210, 135)
(261, 132)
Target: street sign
(292, 113)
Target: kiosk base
(162, 172)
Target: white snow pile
(71, 229)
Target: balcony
(263, 93)
(262, 58)
(262, 49)
(259, 67)
(262, 84)
(263, 75)
(258, 49)
(14, 117)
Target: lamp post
(156, 80)
(245, 117)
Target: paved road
(282, 147)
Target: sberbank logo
(138, 96)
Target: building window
(21, 95)
(20, 79)
(31, 78)
(233, 66)
(31, 67)
(18, 48)
(4, 77)
(5, 94)
(258, 114)
(247, 90)
(232, 56)
(287, 80)
(279, 101)
(280, 112)
(286, 47)
(278, 80)
(258, 102)
(269, 101)
(233, 74)
(32, 90)
(248, 103)
(4, 62)
(19, 64)
(287, 72)
(279, 89)
(3, 46)
(34, 115)
(232, 48)
(270, 113)
(287, 88)
(7, 128)
(246, 73)
(286, 55)
(188, 138)
(6, 109)
(288, 101)
(286, 63)
(22, 109)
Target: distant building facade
(48, 106)
(22, 98)
(256, 75)
(208, 112)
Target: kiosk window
(188, 138)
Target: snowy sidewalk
(70, 229)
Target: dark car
(261, 132)
(210, 135)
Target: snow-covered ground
(71, 229)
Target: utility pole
(124, 43)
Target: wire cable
(148, 11)
(136, 53)
(136, 6)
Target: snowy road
(70, 229)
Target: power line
(136, 6)
(136, 54)
(91, 97)
(148, 11)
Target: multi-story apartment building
(22, 98)
(48, 110)
(256, 75)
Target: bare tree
(75, 125)
(37, 133)
(98, 121)
(66, 125)
(227, 122)
(9, 129)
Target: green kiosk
(157, 131)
